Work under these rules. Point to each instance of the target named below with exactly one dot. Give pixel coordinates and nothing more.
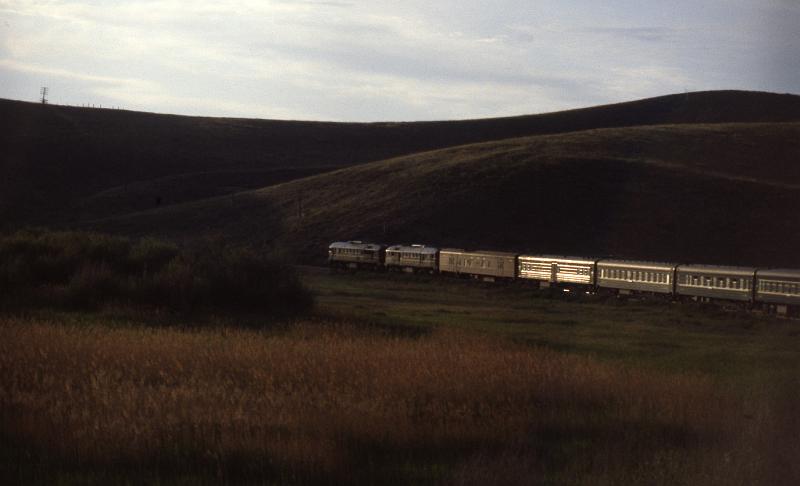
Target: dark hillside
(64, 163)
(723, 193)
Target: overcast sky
(391, 60)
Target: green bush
(86, 270)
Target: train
(773, 290)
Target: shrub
(86, 270)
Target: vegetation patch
(83, 271)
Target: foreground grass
(332, 403)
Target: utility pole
(44, 92)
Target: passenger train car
(413, 258)
(776, 290)
(490, 265)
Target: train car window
(721, 282)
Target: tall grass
(87, 270)
(330, 404)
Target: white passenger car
(636, 276)
(715, 282)
(779, 289)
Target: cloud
(644, 34)
(382, 60)
(121, 83)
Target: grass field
(399, 379)
(734, 345)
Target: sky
(377, 60)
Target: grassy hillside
(721, 193)
(64, 163)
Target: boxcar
(356, 254)
(636, 276)
(715, 282)
(779, 289)
(550, 269)
(413, 257)
(493, 264)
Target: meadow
(394, 379)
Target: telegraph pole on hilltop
(44, 92)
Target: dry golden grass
(329, 403)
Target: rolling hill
(710, 192)
(64, 164)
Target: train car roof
(638, 264)
(792, 273)
(479, 252)
(356, 245)
(717, 269)
(426, 250)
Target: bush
(86, 270)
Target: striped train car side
(550, 270)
